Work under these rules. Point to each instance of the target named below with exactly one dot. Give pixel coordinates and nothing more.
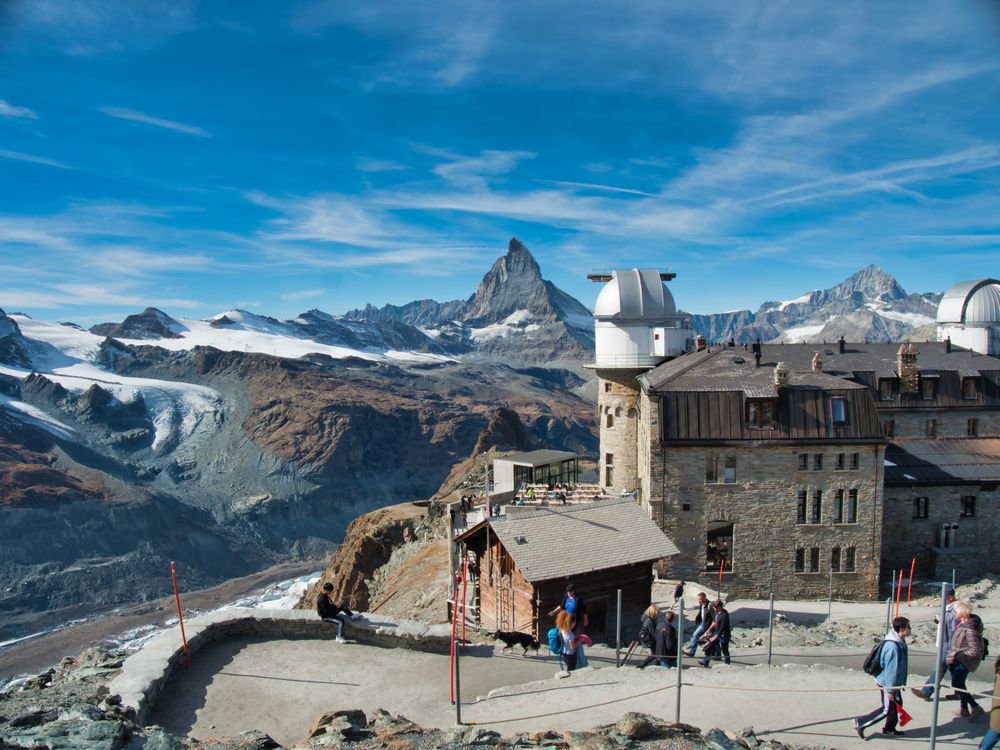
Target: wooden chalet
(525, 559)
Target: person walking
(944, 632)
(575, 606)
(964, 655)
(647, 633)
(678, 592)
(718, 635)
(565, 623)
(893, 663)
(701, 623)
(993, 730)
(330, 611)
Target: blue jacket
(894, 660)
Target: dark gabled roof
(548, 542)
(537, 458)
(703, 397)
(916, 461)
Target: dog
(515, 638)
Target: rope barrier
(696, 685)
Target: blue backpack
(555, 642)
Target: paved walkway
(280, 686)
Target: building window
(930, 428)
(609, 470)
(814, 559)
(889, 427)
(800, 510)
(611, 420)
(840, 462)
(835, 559)
(720, 470)
(855, 461)
(885, 389)
(817, 509)
(948, 533)
(800, 560)
(927, 388)
(852, 506)
(969, 388)
(968, 506)
(818, 462)
(803, 462)
(972, 429)
(719, 547)
(849, 560)
(607, 386)
(921, 505)
(760, 415)
(838, 411)
(838, 506)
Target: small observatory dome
(635, 294)
(969, 316)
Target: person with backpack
(892, 668)
(964, 655)
(568, 641)
(577, 608)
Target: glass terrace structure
(535, 467)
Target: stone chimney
(906, 366)
(947, 345)
(841, 345)
(700, 344)
(817, 363)
(781, 375)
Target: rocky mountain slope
(869, 305)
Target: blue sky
(200, 156)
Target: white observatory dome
(635, 294)
(974, 303)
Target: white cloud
(33, 159)
(475, 171)
(303, 294)
(157, 122)
(9, 110)
(380, 165)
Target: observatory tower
(969, 315)
(636, 328)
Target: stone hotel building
(794, 465)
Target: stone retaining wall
(146, 672)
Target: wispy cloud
(157, 122)
(476, 171)
(303, 294)
(32, 158)
(380, 165)
(9, 110)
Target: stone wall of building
(762, 504)
(949, 422)
(974, 547)
(617, 394)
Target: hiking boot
(963, 712)
(977, 712)
(893, 732)
(340, 639)
(858, 729)
(952, 697)
(921, 694)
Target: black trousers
(886, 711)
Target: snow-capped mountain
(869, 305)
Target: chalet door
(597, 615)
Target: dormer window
(928, 389)
(886, 389)
(838, 411)
(760, 415)
(970, 388)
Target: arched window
(610, 422)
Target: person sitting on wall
(625, 491)
(331, 611)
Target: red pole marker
(899, 591)
(180, 615)
(909, 586)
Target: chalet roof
(537, 458)
(732, 369)
(548, 542)
(915, 461)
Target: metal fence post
(940, 661)
(770, 630)
(829, 606)
(680, 650)
(618, 642)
